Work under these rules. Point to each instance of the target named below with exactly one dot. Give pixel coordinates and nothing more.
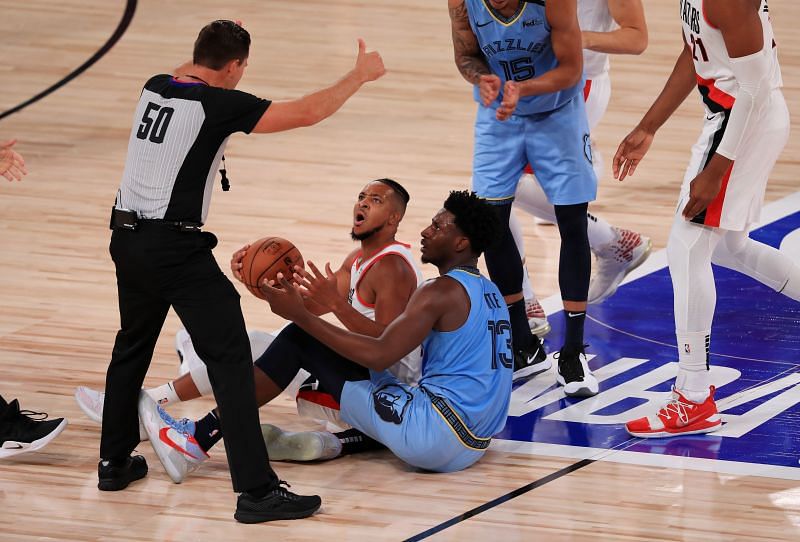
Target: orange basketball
(265, 259)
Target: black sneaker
(531, 362)
(25, 430)
(574, 375)
(115, 476)
(277, 504)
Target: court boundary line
(502, 499)
(122, 27)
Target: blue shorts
(406, 421)
(556, 144)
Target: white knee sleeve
(200, 377)
(531, 198)
(759, 261)
(259, 342)
(689, 252)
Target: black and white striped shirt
(178, 137)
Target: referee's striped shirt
(178, 137)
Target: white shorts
(596, 93)
(739, 202)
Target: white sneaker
(91, 403)
(537, 319)
(177, 449)
(613, 261)
(574, 375)
(303, 446)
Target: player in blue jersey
(525, 62)
(444, 423)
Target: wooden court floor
(58, 312)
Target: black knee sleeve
(575, 262)
(294, 349)
(502, 258)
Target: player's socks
(164, 394)
(354, 441)
(693, 379)
(207, 431)
(573, 334)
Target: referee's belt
(456, 423)
(126, 219)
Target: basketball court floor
(562, 469)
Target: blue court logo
(754, 357)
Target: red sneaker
(678, 417)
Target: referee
(164, 260)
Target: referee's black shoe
(117, 474)
(531, 361)
(279, 503)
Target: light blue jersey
(550, 131)
(518, 49)
(446, 422)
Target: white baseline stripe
(646, 459)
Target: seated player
(445, 423)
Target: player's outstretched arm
(631, 36)
(681, 82)
(425, 309)
(12, 165)
(318, 106)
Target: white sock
(693, 375)
(601, 233)
(164, 394)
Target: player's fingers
(314, 269)
(7, 144)
(328, 270)
(16, 172)
(362, 47)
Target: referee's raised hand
(368, 65)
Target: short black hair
(220, 42)
(475, 217)
(401, 192)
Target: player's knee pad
(502, 259)
(575, 262)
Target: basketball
(265, 259)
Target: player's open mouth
(359, 219)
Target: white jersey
(409, 368)
(594, 16)
(712, 64)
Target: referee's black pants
(158, 267)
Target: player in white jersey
(730, 55)
(607, 27)
(366, 293)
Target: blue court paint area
(755, 358)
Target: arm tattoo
(468, 56)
